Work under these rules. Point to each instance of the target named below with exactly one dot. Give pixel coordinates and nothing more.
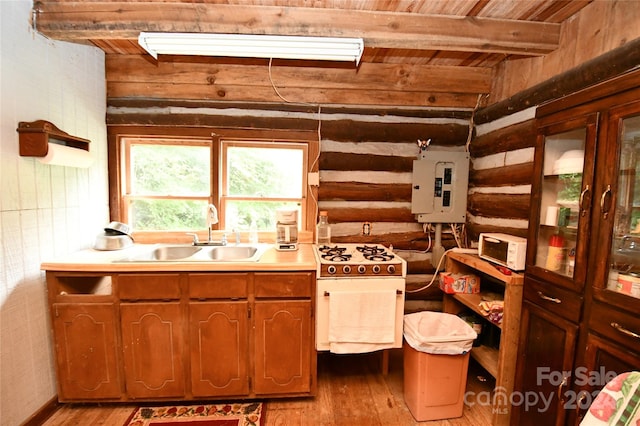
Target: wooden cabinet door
(561, 199)
(219, 348)
(282, 353)
(153, 345)
(547, 347)
(86, 351)
(602, 361)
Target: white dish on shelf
(569, 163)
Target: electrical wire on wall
(317, 158)
(433, 278)
(472, 123)
(427, 228)
(274, 86)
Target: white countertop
(91, 260)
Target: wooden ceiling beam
(77, 21)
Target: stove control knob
(391, 269)
(376, 269)
(346, 269)
(362, 269)
(331, 269)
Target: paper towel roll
(552, 216)
(62, 155)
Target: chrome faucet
(212, 219)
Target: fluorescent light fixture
(253, 46)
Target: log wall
(366, 154)
(365, 161)
(500, 176)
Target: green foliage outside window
(260, 181)
(170, 170)
(261, 173)
(168, 215)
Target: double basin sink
(190, 253)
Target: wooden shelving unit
(500, 362)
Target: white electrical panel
(439, 187)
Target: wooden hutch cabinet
(582, 282)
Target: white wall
(45, 211)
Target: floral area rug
(234, 414)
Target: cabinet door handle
(606, 196)
(582, 404)
(624, 330)
(565, 381)
(583, 194)
(548, 298)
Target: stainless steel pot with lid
(117, 228)
(116, 236)
(112, 242)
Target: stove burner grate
(382, 257)
(375, 253)
(331, 250)
(334, 254)
(342, 257)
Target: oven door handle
(398, 292)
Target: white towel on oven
(362, 321)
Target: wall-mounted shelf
(35, 137)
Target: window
(259, 178)
(167, 182)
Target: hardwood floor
(351, 391)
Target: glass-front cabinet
(581, 293)
(618, 210)
(563, 193)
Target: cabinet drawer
(283, 284)
(616, 325)
(554, 299)
(148, 286)
(218, 286)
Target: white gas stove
(358, 261)
(358, 268)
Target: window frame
(117, 166)
(128, 197)
(274, 144)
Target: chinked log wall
(366, 160)
(500, 179)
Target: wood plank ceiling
(434, 53)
